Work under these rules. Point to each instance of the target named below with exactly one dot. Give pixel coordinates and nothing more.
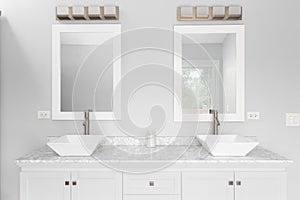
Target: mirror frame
(239, 30)
(113, 30)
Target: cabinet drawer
(155, 183)
(152, 197)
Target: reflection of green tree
(195, 91)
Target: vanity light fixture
(96, 12)
(87, 13)
(234, 12)
(186, 13)
(204, 13)
(80, 13)
(218, 13)
(63, 13)
(111, 12)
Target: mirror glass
(208, 62)
(209, 72)
(83, 61)
(86, 71)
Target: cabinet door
(45, 185)
(260, 185)
(96, 185)
(207, 185)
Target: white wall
(272, 74)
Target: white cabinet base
(71, 185)
(44, 185)
(97, 185)
(172, 184)
(161, 183)
(234, 185)
(207, 185)
(260, 186)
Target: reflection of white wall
(90, 61)
(71, 58)
(202, 51)
(229, 72)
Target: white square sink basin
(227, 145)
(75, 145)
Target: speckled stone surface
(163, 141)
(130, 153)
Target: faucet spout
(216, 122)
(86, 123)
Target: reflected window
(199, 86)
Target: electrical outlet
(253, 115)
(43, 114)
(292, 119)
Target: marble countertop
(139, 153)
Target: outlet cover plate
(43, 114)
(292, 119)
(253, 115)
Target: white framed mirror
(86, 71)
(209, 72)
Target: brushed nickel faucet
(216, 122)
(86, 123)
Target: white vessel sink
(227, 145)
(75, 145)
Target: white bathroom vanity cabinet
(260, 176)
